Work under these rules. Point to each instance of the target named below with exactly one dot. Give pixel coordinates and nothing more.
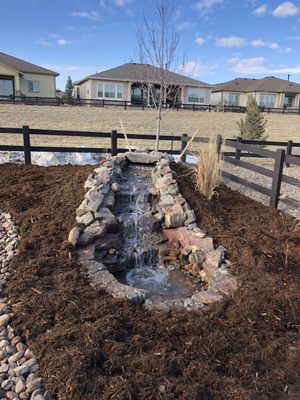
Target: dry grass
(206, 172)
(279, 127)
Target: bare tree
(157, 44)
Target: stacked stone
(97, 229)
(196, 251)
(172, 209)
(19, 378)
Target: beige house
(21, 78)
(269, 92)
(136, 83)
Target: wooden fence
(27, 148)
(276, 174)
(242, 148)
(57, 101)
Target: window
(6, 87)
(267, 100)
(34, 86)
(288, 101)
(110, 90)
(232, 99)
(195, 95)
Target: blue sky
(221, 39)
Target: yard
(93, 347)
(279, 127)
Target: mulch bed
(93, 347)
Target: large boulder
(187, 238)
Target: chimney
(289, 77)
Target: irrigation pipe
(125, 135)
(188, 145)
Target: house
(135, 83)
(269, 92)
(21, 78)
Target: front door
(6, 86)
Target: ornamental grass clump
(206, 172)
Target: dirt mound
(93, 347)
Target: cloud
(121, 3)
(64, 42)
(200, 40)
(53, 36)
(205, 5)
(257, 65)
(45, 43)
(91, 15)
(286, 9)
(116, 3)
(294, 37)
(257, 43)
(261, 43)
(231, 41)
(184, 26)
(71, 68)
(261, 10)
(195, 68)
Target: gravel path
(19, 378)
(286, 189)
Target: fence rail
(276, 174)
(57, 101)
(243, 148)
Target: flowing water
(141, 242)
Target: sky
(220, 39)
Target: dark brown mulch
(93, 347)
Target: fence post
(289, 149)
(26, 144)
(183, 146)
(125, 105)
(114, 143)
(277, 178)
(237, 155)
(219, 143)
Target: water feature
(143, 266)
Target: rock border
(196, 251)
(19, 378)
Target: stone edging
(95, 220)
(18, 369)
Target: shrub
(206, 172)
(253, 126)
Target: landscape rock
(73, 236)
(141, 158)
(207, 297)
(174, 216)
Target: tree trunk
(158, 120)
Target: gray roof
(143, 73)
(267, 84)
(24, 66)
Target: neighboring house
(133, 82)
(269, 92)
(21, 78)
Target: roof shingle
(24, 66)
(267, 84)
(144, 73)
